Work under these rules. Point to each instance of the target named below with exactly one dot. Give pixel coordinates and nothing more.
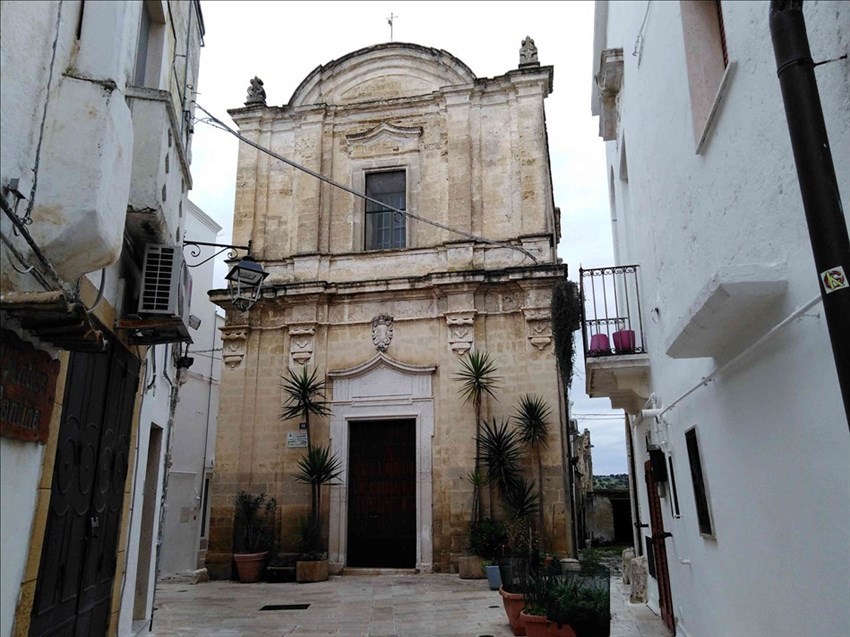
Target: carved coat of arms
(382, 331)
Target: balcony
(615, 358)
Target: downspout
(633, 490)
(816, 174)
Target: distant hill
(615, 481)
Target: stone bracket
(538, 322)
(461, 330)
(233, 345)
(301, 340)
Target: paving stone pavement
(424, 605)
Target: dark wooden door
(658, 552)
(78, 559)
(382, 494)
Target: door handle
(661, 535)
(94, 526)
(373, 516)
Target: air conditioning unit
(164, 298)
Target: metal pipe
(816, 174)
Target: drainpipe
(816, 174)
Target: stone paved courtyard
(425, 605)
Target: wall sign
(27, 389)
(296, 439)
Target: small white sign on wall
(296, 439)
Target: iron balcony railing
(611, 316)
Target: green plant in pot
(478, 379)
(581, 600)
(532, 415)
(486, 539)
(254, 523)
(318, 468)
(539, 591)
(304, 396)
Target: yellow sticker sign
(834, 279)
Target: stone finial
(256, 93)
(528, 53)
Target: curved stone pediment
(382, 360)
(382, 72)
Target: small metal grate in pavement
(285, 607)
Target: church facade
(384, 302)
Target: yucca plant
(318, 468)
(532, 416)
(522, 500)
(478, 378)
(304, 395)
(502, 453)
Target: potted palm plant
(532, 415)
(254, 520)
(318, 468)
(478, 379)
(304, 395)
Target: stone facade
(387, 328)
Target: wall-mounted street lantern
(246, 276)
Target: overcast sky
(282, 42)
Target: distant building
(192, 452)
(384, 305)
(94, 167)
(709, 330)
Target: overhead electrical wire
(212, 120)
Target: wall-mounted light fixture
(246, 276)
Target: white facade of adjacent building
(192, 448)
(730, 383)
(96, 133)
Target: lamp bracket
(195, 250)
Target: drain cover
(285, 607)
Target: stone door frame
(383, 388)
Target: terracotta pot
(564, 631)
(250, 566)
(514, 603)
(311, 571)
(535, 625)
